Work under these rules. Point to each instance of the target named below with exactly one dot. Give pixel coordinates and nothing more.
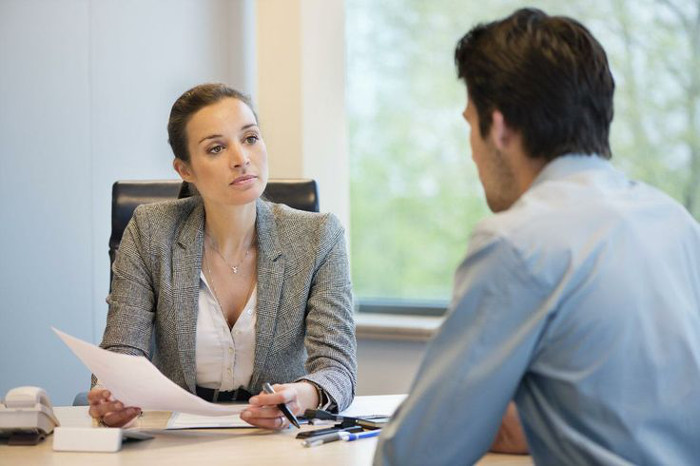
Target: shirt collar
(568, 164)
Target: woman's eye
(216, 149)
(252, 139)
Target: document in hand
(136, 382)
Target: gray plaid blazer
(304, 330)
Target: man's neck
(526, 170)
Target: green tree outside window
(415, 195)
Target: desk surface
(209, 447)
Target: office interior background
(360, 95)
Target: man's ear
(183, 169)
(501, 134)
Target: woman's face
(228, 159)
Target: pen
(267, 388)
(322, 439)
(348, 437)
(330, 430)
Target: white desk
(206, 447)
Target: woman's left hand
(263, 411)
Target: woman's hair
(190, 103)
(547, 75)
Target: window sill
(395, 327)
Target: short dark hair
(547, 75)
(190, 103)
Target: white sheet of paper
(378, 405)
(134, 381)
(192, 421)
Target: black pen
(267, 388)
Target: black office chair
(299, 194)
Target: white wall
(85, 91)
(300, 83)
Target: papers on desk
(378, 405)
(192, 421)
(136, 382)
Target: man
(580, 298)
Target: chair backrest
(299, 194)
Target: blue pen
(348, 437)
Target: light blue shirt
(582, 303)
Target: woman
(235, 291)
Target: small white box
(105, 439)
(93, 439)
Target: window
(415, 195)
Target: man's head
(549, 78)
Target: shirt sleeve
(330, 325)
(474, 364)
(132, 299)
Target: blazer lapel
(271, 267)
(187, 264)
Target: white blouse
(224, 358)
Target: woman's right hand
(109, 411)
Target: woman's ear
(183, 169)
